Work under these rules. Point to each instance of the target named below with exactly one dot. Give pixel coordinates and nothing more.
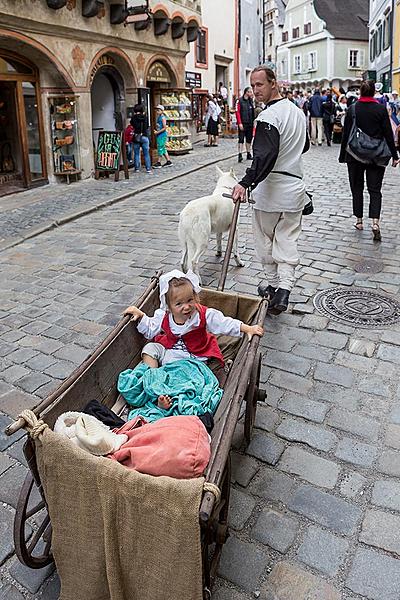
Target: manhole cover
(358, 307)
(368, 266)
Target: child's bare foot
(164, 402)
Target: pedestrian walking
(328, 117)
(245, 115)
(161, 137)
(372, 118)
(141, 137)
(212, 119)
(315, 110)
(128, 139)
(275, 179)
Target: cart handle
(229, 246)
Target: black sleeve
(306, 143)
(348, 122)
(265, 153)
(388, 134)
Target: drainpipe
(391, 46)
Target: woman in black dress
(373, 119)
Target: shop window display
(178, 112)
(64, 132)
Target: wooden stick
(229, 246)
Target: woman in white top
(212, 118)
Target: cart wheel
(24, 546)
(216, 534)
(252, 396)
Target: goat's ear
(219, 171)
(232, 172)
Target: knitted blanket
(192, 386)
(119, 534)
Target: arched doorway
(108, 101)
(22, 155)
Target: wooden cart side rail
(67, 383)
(222, 442)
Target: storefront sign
(104, 60)
(158, 72)
(192, 80)
(108, 150)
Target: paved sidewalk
(315, 507)
(31, 212)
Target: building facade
(72, 68)
(396, 47)
(251, 39)
(380, 41)
(274, 19)
(323, 44)
(214, 56)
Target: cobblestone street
(315, 504)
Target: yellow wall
(396, 48)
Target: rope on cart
(33, 425)
(214, 489)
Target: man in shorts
(245, 119)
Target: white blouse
(216, 323)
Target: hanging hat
(89, 433)
(176, 274)
(378, 86)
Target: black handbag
(367, 149)
(137, 138)
(309, 207)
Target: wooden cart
(97, 377)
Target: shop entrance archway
(22, 155)
(108, 101)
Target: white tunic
(281, 193)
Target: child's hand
(252, 330)
(135, 312)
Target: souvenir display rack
(178, 112)
(64, 135)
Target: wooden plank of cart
(97, 377)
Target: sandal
(376, 232)
(359, 226)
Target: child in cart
(183, 328)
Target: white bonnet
(176, 274)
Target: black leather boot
(249, 156)
(266, 291)
(280, 301)
(240, 157)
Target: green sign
(108, 150)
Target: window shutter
(361, 60)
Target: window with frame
(356, 59)
(371, 46)
(270, 39)
(201, 47)
(285, 36)
(387, 29)
(307, 28)
(248, 44)
(379, 36)
(283, 66)
(296, 32)
(312, 61)
(297, 64)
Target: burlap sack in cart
(119, 534)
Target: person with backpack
(141, 138)
(328, 117)
(315, 110)
(372, 118)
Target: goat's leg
(219, 244)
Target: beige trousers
(275, 238)
(316, 129)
